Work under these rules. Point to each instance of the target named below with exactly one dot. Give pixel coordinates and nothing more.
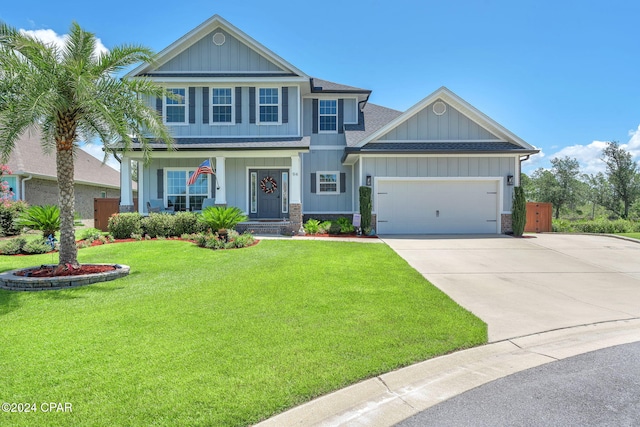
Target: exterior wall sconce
(368, 180)
(510, 180)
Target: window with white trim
(328, 183)
(269, 105)
(221, 105)
(328, 115)
(176, 109)
(185, 197)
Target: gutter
(23, 187)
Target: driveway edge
(397, 395)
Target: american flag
(205, 167)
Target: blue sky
(563, 75)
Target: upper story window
(328, 115)
(176, 109)
(269, 105)
(221, 105)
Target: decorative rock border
(10, 281)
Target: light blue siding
(232, 56)
(327, 161)
(237, 177)
(443, 167)
(337, 139)
(427, 126)
(199, 129)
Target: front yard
(200, 337)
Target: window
(328, 115)
(185, 197)
(285, 192)
(269, 105)
(254, 192)
(221, 105)
(328, 183)
(176, 109)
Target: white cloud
(534, 162)
(96, 151)
(51, 37)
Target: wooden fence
(539, 217)
(103, 208)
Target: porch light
(368, 180)
(510, 180)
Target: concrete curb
(395, 396)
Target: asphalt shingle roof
(28, 158)
(319, 85)
(233, 143)
(370, 119)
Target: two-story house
(286, 146)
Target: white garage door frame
(497, 179)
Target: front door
(266, 193)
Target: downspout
(23, 187)
(522, 159)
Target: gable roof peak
(215, 21)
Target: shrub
(312, 226)
(89, 234)
(518, 212)
(187, 223)
(334, 228)
(561, 226)
(345, 225)
(123, 225)
(38, 246)
(9, 213)
(42, 218)
(365, 207)
(324, 227)
(222, 218)
(214, 241)
(12, 246)
(159, 225)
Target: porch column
(221, 191)
(126, 192)
(295, 195)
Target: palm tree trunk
(66, 200)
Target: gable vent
(439, 108)
(219, 39)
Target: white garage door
(437, 207)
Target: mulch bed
(50, 271)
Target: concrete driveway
(534, 284)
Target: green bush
(222, 218)
(365, 207)
(90, 234)
(345, 225)
(42, 218)
(13, 246)
(334, 228)
(159, 225)
(562, 226)
(187, 223)
(123, 225)
(518, 212)
(9, 213)
(38, 246)
(324, 227)
(598, 226)
(311, 226)
(214, 241)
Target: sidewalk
(394, 396)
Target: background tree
(560, 185)
(622, 173)
(71, 93)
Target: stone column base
(295, 217)
(507, 224)
(126, 208)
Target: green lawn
(632, 235)
(201, 338)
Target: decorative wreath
(273, 185)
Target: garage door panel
(437, 207)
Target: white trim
(320, 131)
(499, 190)
(141, 188)
(356, 111)
(458, 103)
(327, 193)
(186, 107)
(326, 147)
(187, 169)
(233, 106)
(258, 105)
(237, 137)
(328, 212)
(208, 26)
(216, 153)
(427, 141)
(251, 81)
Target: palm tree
(71, 93)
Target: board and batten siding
(237, 178)
(243, 129)
(233, 56)
(444, 167)
(324, 139)
(325, 161)
(426, 125)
